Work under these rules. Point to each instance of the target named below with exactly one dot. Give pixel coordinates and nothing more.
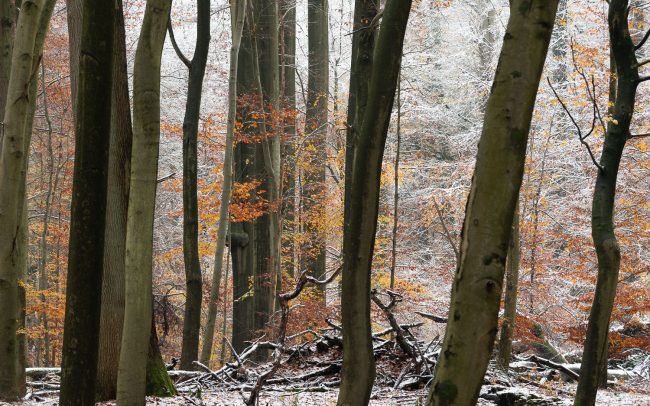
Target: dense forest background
(450, 54)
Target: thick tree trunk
(510, 301)
(131, 382)
(13, 167)
(193, 277)
(625, 67)
(88, 213)
(476, 292)
(359, 237)
(238, 13)
(363, 44)
(8, 16)
(313, 257)
(119, 162)
(159, 383)
(242, 234)
(266, 76)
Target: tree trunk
(266, 67)
(131, 382)
(242, 233)
(313, 257)
(476, 292)
(159, 383)
(359, 237)
(193, 277)
(288, 84)
(119, 162)
(13, 167)
(398, 145)
(363, 44)
(238, 13)
(8, 16)
(625, 67)
(88, 212)
(510, 302)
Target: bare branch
(178, 51)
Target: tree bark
(8, 16)
(242, 233)
(13, 167)
(193, 277)
(363, 45)
(238, 13)
(625, 67)
(266, 70)
(476, 291)
(88, 212)
(131, 382)
(119, 163)
(510, 301)
(359, 237)
(313, 257)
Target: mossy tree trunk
(88, 212)
(131, 382)
(625, 68)
(477, 288)
(359, 236)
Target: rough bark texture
(476, 291)
(13, 167)
(119, 163)
(510, 301)
(316, 130)
(359, 237)
(237, 12)
(193, 277)
(131, 382)
(88, 212)
(608, 252)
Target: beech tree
(88, 213)
(625, 69)
(193, 276)
(131, 382)
(31, 25)
(477, 287)
(358, 358)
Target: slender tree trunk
(313, 258)
(398, 136)
(43, 283)
(26, 54)
(625, 67)
(476, 292)
(510, 302)
(131, 382)
(288, 83)
(119, 162)
(238, 13)
(359, 238)
(193, 277)
(88, 213)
